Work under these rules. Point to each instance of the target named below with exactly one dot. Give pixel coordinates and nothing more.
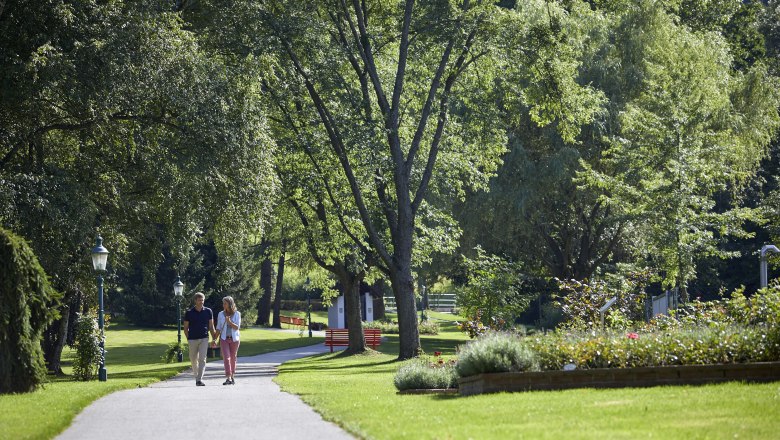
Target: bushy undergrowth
(427, 327)
(496, 352)
(708, 345)
(172, 351)
(386, 327)
(87, 344)
(425, 374)
(733, 330)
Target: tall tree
(401, 96)
(109, 122)
(694, 128)
(534, 211)
(28, 308)
(380, 79)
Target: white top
(223, 327)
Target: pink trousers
(229, 350)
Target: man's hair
(198, 295)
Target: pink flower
(632, 335)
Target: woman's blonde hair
(231, 305)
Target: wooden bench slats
(339, 337)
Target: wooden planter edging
(430, 391)
(619, 377)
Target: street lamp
(99, 260)
(308, 305)
(423, 301)
(178, 291)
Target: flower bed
(618, 377)
(731, 339)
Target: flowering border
(619, 377)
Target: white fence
(665, 302)
(440, 302)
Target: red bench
(339, 337)
(292, 320)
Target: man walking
(198, 323)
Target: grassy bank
(133, 360)
(357, 393)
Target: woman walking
(228, 324)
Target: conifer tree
(26, 298)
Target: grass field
(357, 393)
(133, 359)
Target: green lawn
(357, 393)
(133, 360)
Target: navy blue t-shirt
(199, 322)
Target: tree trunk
(54, 341)
(402, 280)
(351, 287)
(266, 285)
(377, 292)
(277, 323)
(409, 336)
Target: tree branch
(310, 154)
(432, 154)
(310, 244)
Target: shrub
(289, 304)
(732, 330)
(173, 350)
(428, 327)
(496, 289)
(763, 308)
(27, 301)
(87, 345)
(697, 313)
(317, 326)
(580, 301)
(725, 343)
(496, 352)
(475, 326)
(386, 327)
(425, 374)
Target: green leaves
(544, 46)
(494, 289)
(682, 137)
(116, 116)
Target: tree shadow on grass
(337, 368)
(429, 344)
(137, 354)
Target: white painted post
(764, 262)
(336, 313)
(604, 308)
(369, 307)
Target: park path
(253, 408)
